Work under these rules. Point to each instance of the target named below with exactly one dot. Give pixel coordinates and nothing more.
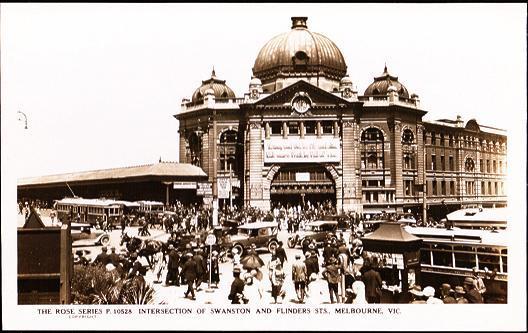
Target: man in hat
(472, 294)
(237, 287)
(136, 266)
(479, 283)
(189, 271)
(446, 294)
(460, 294)
(102, 258)
(113, 257)
(281, 253)
(299, 277)
(429, 293)
(416, 295)
(173, 266)
(372, 280)
(201, 267)
(332, 275)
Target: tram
(88, 210)
(150, 207)
(475, 218)
(449, 255)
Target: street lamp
(25, 119)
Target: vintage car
(320, 231)
(84, 234)
(262, 234)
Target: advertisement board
(301, 150)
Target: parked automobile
(86, 234)
(262, 234)
(320, 231)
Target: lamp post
(25, 119)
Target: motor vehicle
(86, 234)
(320, 231)
(262, 234)
(408, 219)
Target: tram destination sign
(301, 150)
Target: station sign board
(184, 185)
(301, 150)
(204, 188)
(224, 184)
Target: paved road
(174, 295)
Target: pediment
(319, 98)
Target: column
(396, 159)
(350, 172)
(255, 167)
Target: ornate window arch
(195, 149)
(372, 148)
(469, 164)
(228, 149)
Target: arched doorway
(300, 184)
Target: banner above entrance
(305, 150)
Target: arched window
(195, 149)
(372, 149)
(228, 151)
(408, 152)
(469, 165)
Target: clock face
(301, 104)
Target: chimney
(299, 22)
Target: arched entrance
(295, 184)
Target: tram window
(441, 258)
(465, 260)
(309, 127)
(425, 257)
(504, 264)
(489, 261)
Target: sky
(100, 83)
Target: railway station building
(303, 131)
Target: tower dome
(297, 53)
(384, 83)
(218, 87)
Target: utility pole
(424, 190)
(230, 188)
(215, 173)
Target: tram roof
(163, 169)
(479, 214)
(462, 236)
(88, 202)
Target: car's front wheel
(239, 248)
(272, 245)
(104, 240)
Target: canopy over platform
(391, 237)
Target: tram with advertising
(88, 210)
(449, 256)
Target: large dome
(381, 85)
(219, 88)
(299, 51)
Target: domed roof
(299, 50)
(220, 89)
(381, 85)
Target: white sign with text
(301, 150)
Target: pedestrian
(472, 294)
(281, 253)
(460, 295)
(201, 268)
(215, 269)
(102, 258)
(479, 283)
(372, 280)
(299, 277)
(312, 267)
(189, 272)
(123, 223)
(172, 277)
(236, 258)
(346, 263)
(358, 288)
(416, 295)
(429, 293)
(236, 294)
(159, 265)
(277, 281)
(332, 275)
(253, 288)
(447, 294)
(136, 269)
